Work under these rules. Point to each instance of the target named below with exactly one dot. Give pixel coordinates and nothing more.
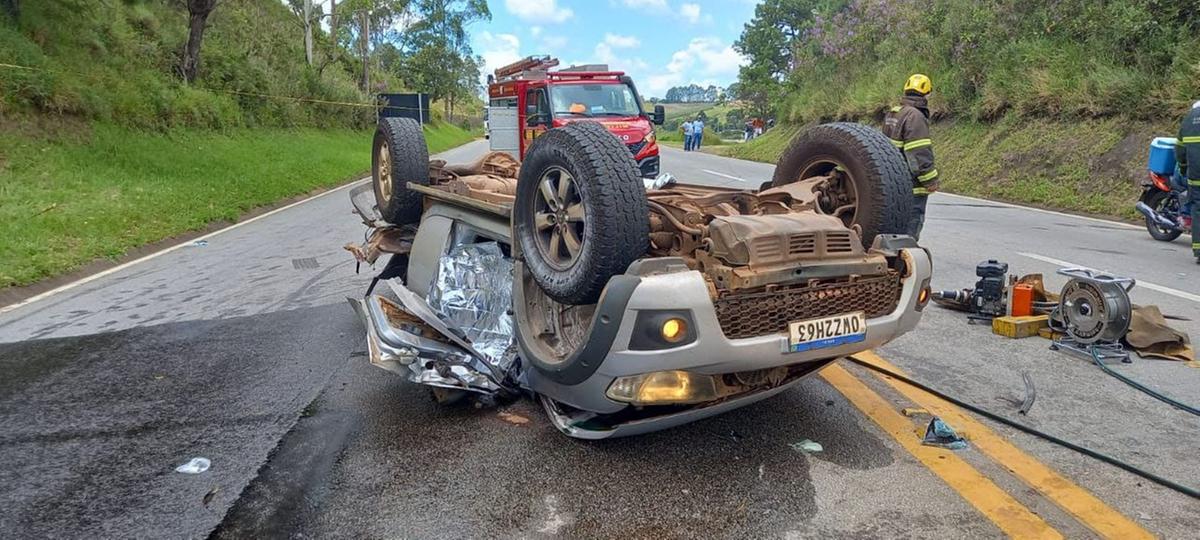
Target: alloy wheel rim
(558, 218)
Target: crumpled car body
(468, 319)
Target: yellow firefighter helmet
(918, 83)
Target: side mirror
(660, 115)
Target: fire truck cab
(526, 99)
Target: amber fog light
(663, 388)
(662, 329)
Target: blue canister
(1162, 156)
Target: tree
(769, 42)
(12, 7)
(441, 57)
(198, 12)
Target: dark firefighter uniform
(907, 125)
(1187, 154)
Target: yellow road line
(1013, 518)
(1075, 500)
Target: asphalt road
(244, 351)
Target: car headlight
(663, 388)
(650, 137)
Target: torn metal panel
(387, 239)
(404, 344)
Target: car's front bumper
(711, 352)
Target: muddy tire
(1159, 201)
(873, 176)
(580, 215)
(399, 156)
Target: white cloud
(553, 44)
(535, 30)
(621, 42)
(704, 60)
(690, 12)
(497, 50)
(646, 5)
(541, 11)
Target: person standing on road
(697, 133)
(1187, 154)
(907, 125)
(687, 135)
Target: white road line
(725, 175)
(1040, 210)
(1140, 283)
(139, 260)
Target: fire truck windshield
(593, 100)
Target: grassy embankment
(1051, 105)
(103, 148)
(64, 203)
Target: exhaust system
(1156, 217)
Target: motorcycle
(1164, 201)
(1162, 204)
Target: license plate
(827, 332)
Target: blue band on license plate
(828, 342)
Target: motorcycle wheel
(1163, 203)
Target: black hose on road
(1137, 385)
(1190, 492)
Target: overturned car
(626, 307)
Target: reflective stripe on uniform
(897, 144)
(1190, 140)
(928, 176)
(1193, 182)
(920, 191)
(896, 108)
(919, 143)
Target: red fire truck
(526, 98)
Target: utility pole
(364, 35)
(308, 37)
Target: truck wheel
(870, 186)
(580, 215)
(1163, 203)
(399, 156)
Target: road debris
(196, 465)
(913, 411)
(199, 243)
(512, 418)
(807, 446)
(208, 497)
(940, 434)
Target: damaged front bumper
(409, 339)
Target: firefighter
(907, 125)
(1187, 151)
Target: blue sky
(661, 43)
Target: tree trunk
(198, 11)
(333, 23)
(308, 36)
(364, 41)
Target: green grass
(74, 199)
(1086, 166)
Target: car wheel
(580, 215)
(399, 156)
(869, 185)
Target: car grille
(637, 146)
(759, 314)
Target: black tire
(611, 232)
(407, 160)
(1158, 200)
(879, 174)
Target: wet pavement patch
(92, 427)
